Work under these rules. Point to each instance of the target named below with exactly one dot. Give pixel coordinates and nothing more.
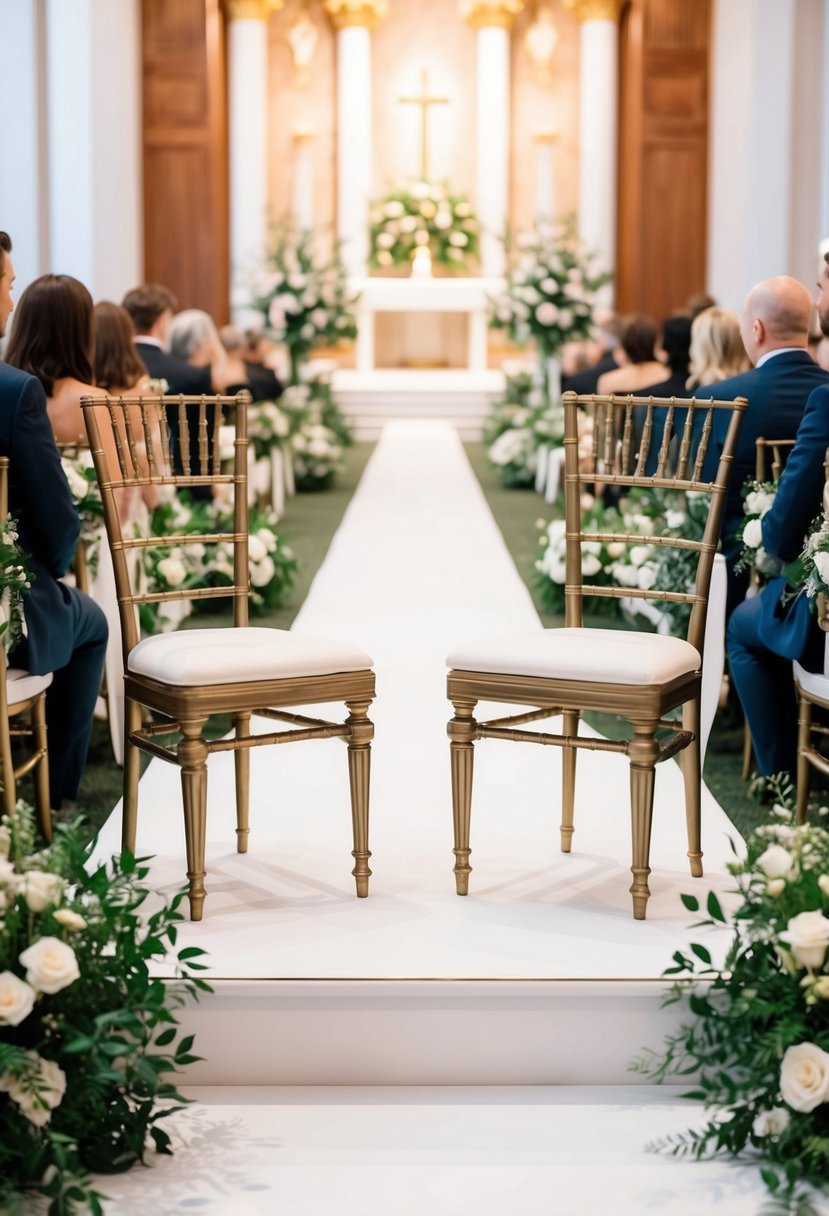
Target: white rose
(70, 920)
(590, 565)
(5, 840)
(38, 1095)
(675, 519)
(40, 889)
(822, 565)
(823, 883)
(256, 549)
(639, 554)
(808, 936)
(776, 887)
(546, 313)
(646, 577)
(616, 548)
(16, 999)
(771, 1122)
(78, 484)
(820, 987)
(752, 534)
(267, 537)
(50, 965)
(262, 572)
(172, 571)
(776, 862)
(804, 1076)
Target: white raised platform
(370, 399)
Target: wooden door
(663, 154)
(185, 152)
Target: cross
(424, 101)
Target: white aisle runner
(417, 566)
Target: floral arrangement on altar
(518, 426)
(272, 562)
(15, 580)
(303, 295)
(652, 512)
(550, 293)
(756, 1050)
(88, 1037)
(424, 214)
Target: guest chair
(640, 676)
(769, 461)
(813, 692)
(22, 719)
(185, 678)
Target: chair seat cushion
(603, 656)
(813, 683)
(235, 656)
(20, 685)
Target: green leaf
(714, 908)
(701, 952)
(691, 903)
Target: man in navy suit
(775, 328)
(768, 631)
(66, 633)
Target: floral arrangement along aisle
(88, 1038)
(755, 1049)
(518, 426)
(303, 295)
(318, 431)
(15, 580)
(550, 294)
(758, 499)
(424, 215)
(83, 486)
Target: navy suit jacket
(792, 630)
(777, 393)
(182, 377)
(47, 517)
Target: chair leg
(241, 760)
(360, 735)
(804, 740)
(7, 767)
(132, 767)
(192, 756)
(689, 761)
(43, 802)
(570, 728)
(462, 729)
(748, 753)
(642, 753)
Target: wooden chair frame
(613, 462)
(25, 721)
(811, 734)
(140, 428)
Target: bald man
(776, 320)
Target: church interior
(414, 1051)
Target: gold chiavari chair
(22, 718)
(813, 691)
(640, 676)
(187, 677)
(770, 456)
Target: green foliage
(755, 1048)
(89, 1038)
(15, 580)
(423, 214)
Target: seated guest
(775, 331)
(66, 633)
(717, 350)
(639, 364)
(608, 331)
(699, 303)
(194, 338)
(765, 633)
(675, 343)
(262, 380)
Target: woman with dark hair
(118, 368)
(639, 364)
(53, 339)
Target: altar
(371, 393)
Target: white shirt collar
(148, 341)
(782, 350)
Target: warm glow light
(541, 39)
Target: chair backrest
(613, 459)
(174, 442)
(770, 456)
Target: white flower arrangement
(423, 215)
(551, 290)
(518, 425)
(756, 1050)
(15, 581)
(758, 499)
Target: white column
(22, 177)
(598, 128)
(492, 145)
(354, 145)
(545, 175)
(93, 142)
(303, 182)
(247, 78)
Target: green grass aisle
(516, 513)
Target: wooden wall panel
(186, 241)
(663, 154)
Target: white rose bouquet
(88, 1038)
(756, 1051)
(758, 498)
(15, 580)
(424, 214)
(83, 486)
(303, 295)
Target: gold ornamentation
(251, 10)
(424, 100)
(367, 13)
(595, 10)
(485, 13)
